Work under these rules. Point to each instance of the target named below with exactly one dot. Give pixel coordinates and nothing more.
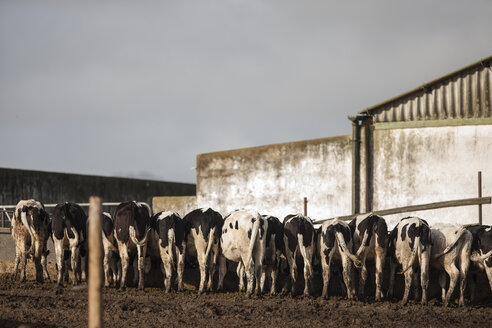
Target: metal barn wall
(464, 94)
(275, 179)
(51, 187)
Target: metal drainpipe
(369, 148)
(355, 165)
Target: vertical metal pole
(305, 206)
(95, 264)
(480, 195)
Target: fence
(7, 213)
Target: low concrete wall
(179, 204)
(275, 179)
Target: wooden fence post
(95, 264)
(305, 206)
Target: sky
(139, 88)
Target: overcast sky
(139, 88)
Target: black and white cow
(410, 245)
(30, 230)
(132, 226)
(451, 251)
(299, 239)
(112, 264)
(203, 242)
(481, 254)
(274, 249)
(335, 242)
(69, 233)
(168, 242)
(243, 241)
(370, 240)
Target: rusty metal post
(305, 206)
(480, 196)
(95, 264)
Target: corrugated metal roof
(465, 93)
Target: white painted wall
(275, 179)
(423, 165)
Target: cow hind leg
(241, 276)
(326, 267)
(125, 261)
(347, 277)
(75, 257)
(408, 285)
(222, 272)
(454, 275)
(380, 257)
(141, 250)
(60, 263)
(212, 266)
(166, 267)
(363, 277)
(202, 261)
(180, 265)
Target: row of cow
(257, 243)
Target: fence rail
(7, 213)
(421, 207)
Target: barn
(426, 145)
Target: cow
(132, 226)
(203, 242)
(112, 265)
(335, 242)
(410, 245)
(69, 233)
(274, 249)
(31, 230)
(243, 240)
(370, 242)
(481, 254)
(168, 242)
(451, 251)
(299, 239)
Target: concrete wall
(179, 204)
(423, 165)
(275, 179)
(50, 187)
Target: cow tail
(211, 236)
(362, 247)
(302, 248)
(172, 238)
(411, 261)
(254, 234)
(345, 250)
(452, 245)
(29, 230)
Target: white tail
(345, 250)
(211, 234)
(254, 233)
(411, 261)
(451, 246)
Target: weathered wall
(275, 179)
(179, 204)
(423, 165)
(50, 187)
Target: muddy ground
(46, 305)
